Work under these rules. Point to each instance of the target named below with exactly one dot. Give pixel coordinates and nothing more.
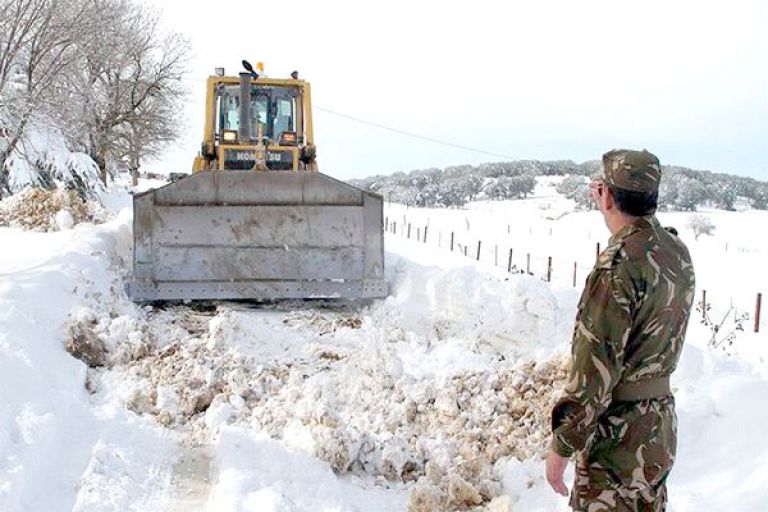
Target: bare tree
(128, 88)
(149, 132)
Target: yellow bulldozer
(256, 219)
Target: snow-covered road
(436, 397)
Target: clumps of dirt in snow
(486, 416)
(323, 324)
(38, 209)
(106, 340)
(348, 404)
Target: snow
(44, 150)
(437, 396)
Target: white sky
(545, 79)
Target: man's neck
(620, 220)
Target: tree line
(102, 72)
(454, 186)
(681, 188)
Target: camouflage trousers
(625, 467)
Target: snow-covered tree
(759, 198)
(700, 225)
(39, 47)
(690, 193)
(99, 72)
(576, 188)
(722, 194)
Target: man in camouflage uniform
(618, 414)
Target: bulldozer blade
(257, 235)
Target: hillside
(681, 188)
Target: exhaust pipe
(244, 127)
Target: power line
(399, 131)
(414, 135)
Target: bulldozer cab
(257, 123)
(256, 220)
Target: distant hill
(681, 188)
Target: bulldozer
(255, 219)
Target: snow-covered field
(436, 398)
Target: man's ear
(608, 199)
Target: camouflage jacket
(630, 326)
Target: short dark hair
(632, 203)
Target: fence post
(597, 254)
(757, 311)
(394, 227)
(451, 241)
(528, 263)
(425, 234)
(409, 230)
(509, 264)
(549, 269)
(507, 228)
(418, 234)
(496, 255)
(703, 303)
(574, 274)
(386, 223)
(478, 250)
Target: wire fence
(514, 259)
(525, 260)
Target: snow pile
(38, 209)
(344, 386)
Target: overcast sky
(544, 79)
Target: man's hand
(555, 469)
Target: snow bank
(52, 438)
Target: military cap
(636, 171)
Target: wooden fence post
(451, 241)
(574, 274)
(418, 234)
(386, 223)
(757, 311)
(394, 227)
(703, 304)
(549, 269)
(478, 250)
(509, 263)
(409, 230)
(496, 255)
(425, 234)
(597, 254)
(528, 263)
